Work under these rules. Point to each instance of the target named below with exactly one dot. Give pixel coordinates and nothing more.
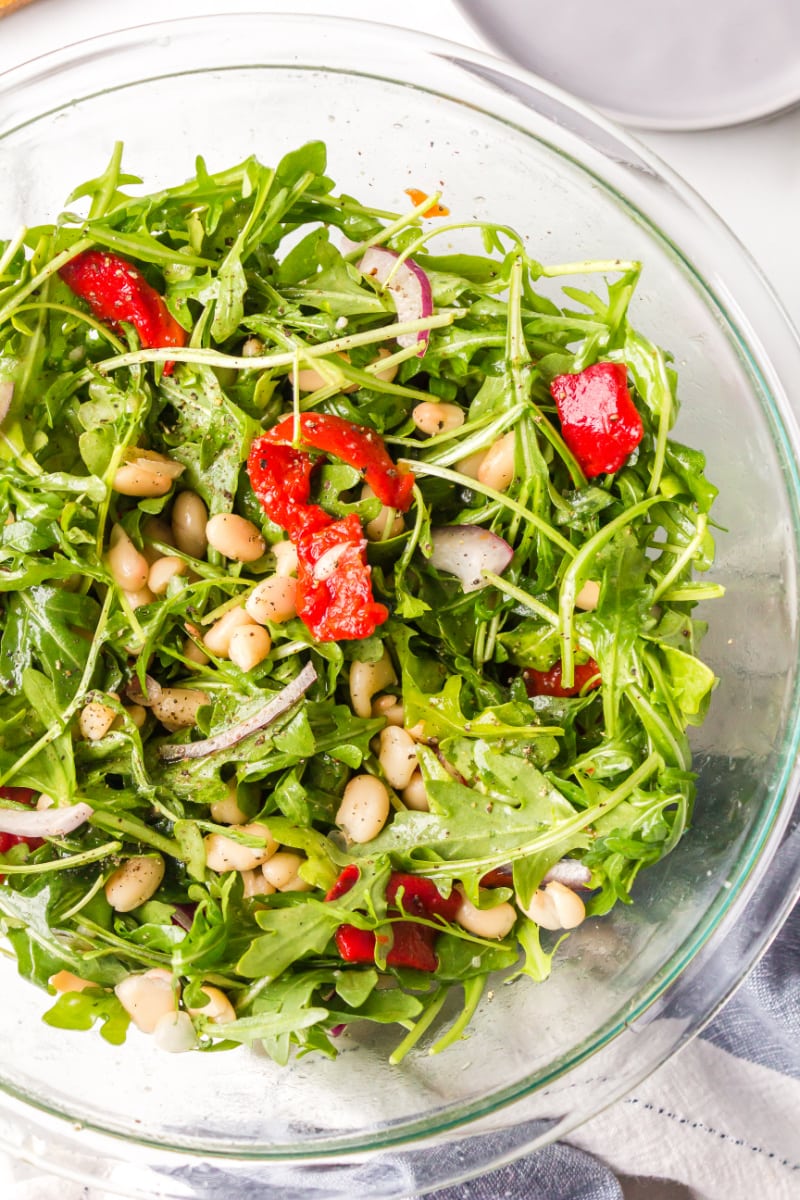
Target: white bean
(137, 714)
(379, 529)
(65, 981)
(235, 537)
(193, 654)
(227, 811)
(364, 809)
(397, 755)
(589, 596)
(140, 597)
(175, 1033)
(148, 997)
(155, 529)
(415, 794)
(252, 348)
(367, 678)
(219, 1009)
(254, 884)
(177, 707)
(497, 468)
(274, 600)
(128, 567)
(486, 922)
(285, 558)
(309, 379)
(390, 708)
(189, 521)
(472, 464)
(555, 906)
(217, 638)
(95, 720)
(225, 854)
(432, 417)
(134, 882)
(162, 570)
(146, 474)
(249, 646)
(387, 374)
(281, 872)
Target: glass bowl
(398, 110)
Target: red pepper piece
(116, 291)
(421, 897)
(347, 880)
(548, 683)
(599, 420)
(412, 945)
(498, 877)
(356, 445)
(334, 589)
(281, 478)
(19, 795)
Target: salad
(346, 594)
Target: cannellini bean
(139, 597)
(281, 872)
(388, 706)
(155, 529)
(175, 1033)
(472, 464)
(134, 882)
(193, 654)
(219, 1009)
(148, 997)
(128, 567)
(252, 348)
(364, 809)
(397, 755)
(497, 468)
(379, 529)
(146, 474)
(486, 922)
(388, 374)
(273, 601)
(415, 794)
(555, 906)
(177, 707)
(95, 720)
(589, 595)
(285, 558)
(432, 416)
(249, 646)
(65, 981)
(254, 884)
(224, 854)
(227, 811)
(235, 537)
(137, 714)
(367, 678)
(162, 570)
(217, 638)
(189, 521)
(309, 379)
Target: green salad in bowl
(347, 585)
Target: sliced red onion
(409, 286)
(466, 551)
(570, 872)
(276, 707)
(137, 696)
(44, 823)
(183, 916)
(6, 396)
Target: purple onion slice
(44, 823)
(409, 287)
(466, 551)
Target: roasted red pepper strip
(19, 795)
(116, 291)
(599, 420)
(548, 683)
(412, 945)
(421, 897)
(334, 589)
(281, 478)
(348, 879)
(356, 445)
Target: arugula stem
(116, 823)
(684, 558)
(473, 990)
(523, 597)
(62, 864)
(590, 266)
(422, 1025)
(52, 268)
(388, 231)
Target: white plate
(658, 64)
